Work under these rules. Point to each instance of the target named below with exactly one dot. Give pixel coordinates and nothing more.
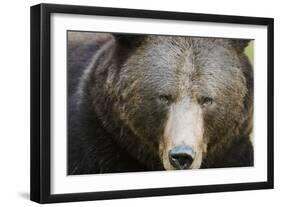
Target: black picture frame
(41, 96)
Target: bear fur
(116, 112)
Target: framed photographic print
(132, 103)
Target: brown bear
(150, 102)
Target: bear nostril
(181, 157)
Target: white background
(14, 104)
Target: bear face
(172, 102)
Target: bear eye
(167, 99)
(205, 101)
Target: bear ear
(129, 40)
(240, 44)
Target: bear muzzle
(181, 145)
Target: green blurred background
(249, 51)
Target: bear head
(174, 102)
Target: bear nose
(181, 157)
